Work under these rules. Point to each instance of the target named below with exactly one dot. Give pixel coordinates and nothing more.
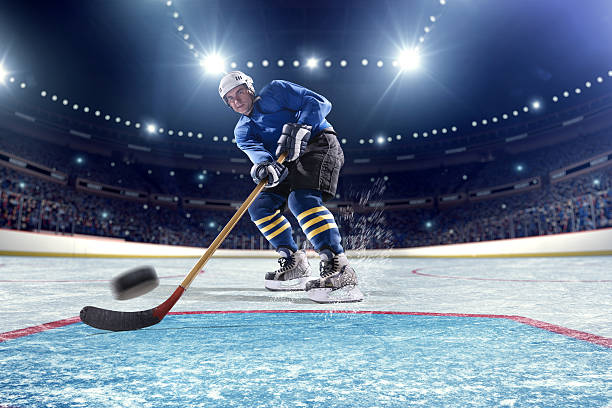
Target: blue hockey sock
(316, 221)
(266, 213)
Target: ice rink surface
(573, 292)
(313, 359)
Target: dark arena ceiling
(486, 67)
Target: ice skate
(293, 274)
(338, 281)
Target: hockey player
(285, 117)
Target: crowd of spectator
(580, 203)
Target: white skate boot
(338, 282)
(293, 274)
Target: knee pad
(315, 219)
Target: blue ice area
(306, 360)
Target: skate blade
(346, 294)
(288, 286)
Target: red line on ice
(576, 334)
(15, 334)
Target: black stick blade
(118, 321)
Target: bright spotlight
(312, 63)
(213, 64)
(3, 73)
(151, 128)
(380, 140)
(536, 105)
(409, 59)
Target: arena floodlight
(536, 105)
(380, 140)
(312, 63)
(3, 74)
(213, 64)
(151, 128)
(409, 59)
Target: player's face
(240, 99)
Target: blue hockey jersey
(278, 103)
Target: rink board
(307, 359)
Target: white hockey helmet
(232, 80)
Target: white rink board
(598, 242)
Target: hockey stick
(123, 321)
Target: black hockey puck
(135, 282)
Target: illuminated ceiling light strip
(536, 105)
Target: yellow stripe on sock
(317, 219)
(311, 211)
(321, 229)
(278, 231)
(264, 219)
(273, 224)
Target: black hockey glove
(293, 140)
(274, 172)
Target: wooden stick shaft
(226, 230)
